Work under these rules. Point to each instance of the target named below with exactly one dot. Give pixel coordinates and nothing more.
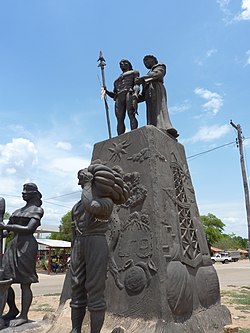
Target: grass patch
(243, 308)
(44, 307)
(54, 294)
(240, 298)
(244, 330)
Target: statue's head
(149, 61)
(30, 191)
(126, 65)
(84, 176)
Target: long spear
(102, 64)
(2, 211)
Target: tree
(243, 242)
(10, 235)
(228, 242)
(213, 228)
(64, 228)
(6, 216)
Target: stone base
(211, 320)
(30, 327)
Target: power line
(52, 203)
(208, 151)
(62, 195)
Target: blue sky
(51, 113)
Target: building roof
(47, 229)
(243, 251)
(54, 243)
(215, 249)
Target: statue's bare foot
(10, 315)
(173, 132)
(17, 322)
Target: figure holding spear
(125, 95)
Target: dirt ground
(237, 300)
(48, 304)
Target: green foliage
(8, 239)
(213, 227)
(6, 216)
(64, 229)
(10, 235)
(231, 242)
(243, 242)
(227, 242)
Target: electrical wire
(208, 151)
(62, 195)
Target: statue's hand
(95, 204)
(2, 226)
(139, 80)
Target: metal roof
(47, 229)
(54, 243)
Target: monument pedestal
(160, 278)
(160, 267)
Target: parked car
(235, 255)
(224, 258)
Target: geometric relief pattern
(178, 184)
(190, 244)
(189, 240)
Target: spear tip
(101, 59)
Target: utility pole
(244, 177)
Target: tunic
(19, 260)
(154, 93)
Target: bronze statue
(19, 260)
(125, 94)
(102, 187)
(155, 96)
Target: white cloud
(233, 214)
(245, 14)
(64, 145)
(224, 6)
(18, 156)
(53, 170)
(211, 133)
(248, 57)
(207, 55)
(180, 108)
(214, 100)
(88, 146)
(229, 16)
(211, 52)
(68, 164)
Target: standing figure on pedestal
(125, 94)
(155, 96)
(102, 187)
(19, 260)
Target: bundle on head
(109, 183)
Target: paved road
(236, 274)
(48, 284)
